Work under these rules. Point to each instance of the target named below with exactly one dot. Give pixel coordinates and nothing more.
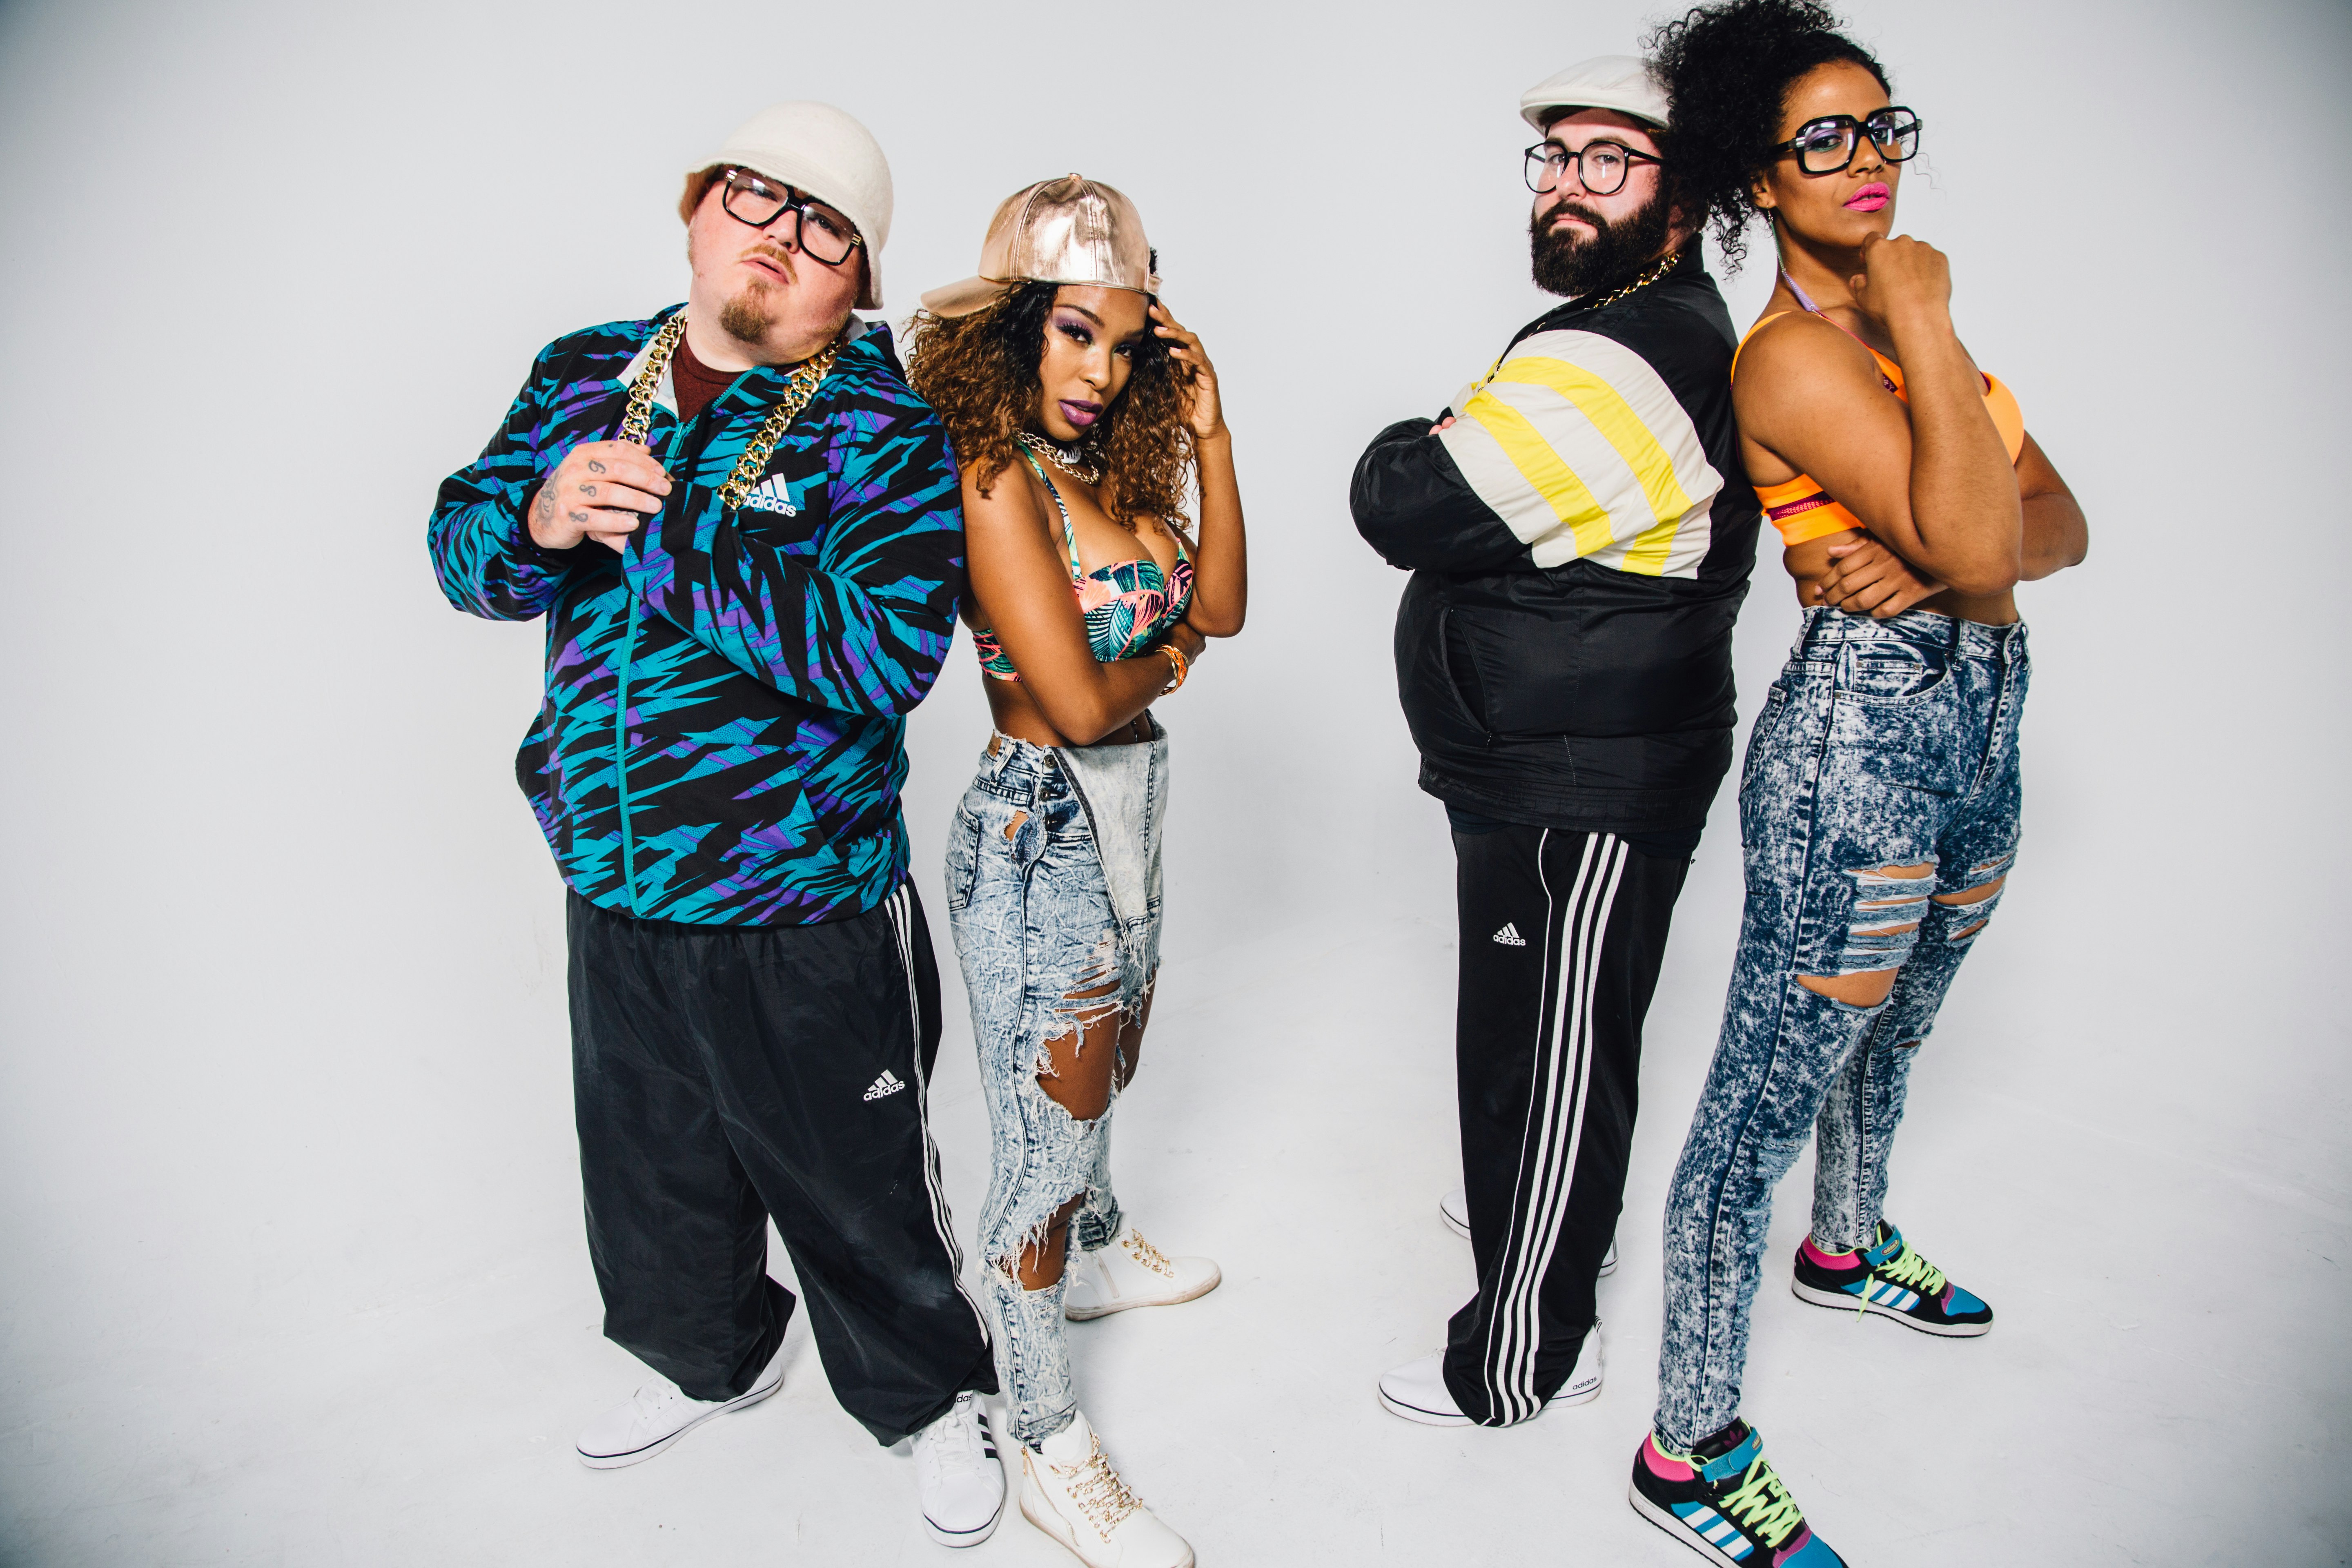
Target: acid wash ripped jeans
(1053, 874)
(1878, 812)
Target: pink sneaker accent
(1663, 1464)
(1822, 1259)
(1795, 1545)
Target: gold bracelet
(1180, 666)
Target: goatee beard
(1568, 265)
(745, 317)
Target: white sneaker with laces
(958, 1477)
(1131, 1272)
(1417, 1389)
(1453, 1208)
(1077, 1498)
(657, 1415)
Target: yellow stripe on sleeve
(1610, 415)
(1550, 477)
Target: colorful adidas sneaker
(1723, 1501)
(1891, 1279)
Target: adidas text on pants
(1547, 1050)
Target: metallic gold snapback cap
(1070, 230)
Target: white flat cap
(1606, 81)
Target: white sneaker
(657, 1416)
(1131, 1272)
(1453, 1208)
(1417, 1389)
(958, 1477)
(1077, 1498)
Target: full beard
(1570, 265)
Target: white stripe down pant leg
(1561, 936)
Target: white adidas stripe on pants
(1555, 1127)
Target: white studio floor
(2152, 1393)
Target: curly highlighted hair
(979, 372)
(1727, 70)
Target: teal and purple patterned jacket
(720, 742)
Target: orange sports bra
(1802, 509)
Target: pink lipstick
(1081, 415)
(1868, 199)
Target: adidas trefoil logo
(890, 1083)
(771, 495)
(1509, 935)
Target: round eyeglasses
(1600, 166)
(821, 233)
(1827, 146)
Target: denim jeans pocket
(1892, 673)
(964, 857)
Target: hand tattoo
(546, 506)
(594, 466)
(578, 517)
(586, 488)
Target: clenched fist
(596, 492)
(1902, 276)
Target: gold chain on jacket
(637, 419)
(1666, 265)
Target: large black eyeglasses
(1600, 166)
(824, 234)
(1828, 146)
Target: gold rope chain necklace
(638, 420)
(1666, 265)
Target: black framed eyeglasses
(1827, 146)
(1600, 166)
(821, 233)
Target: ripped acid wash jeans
(1053, 883)
(1885, 746)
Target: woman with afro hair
(1079, 408)
(1879, 801)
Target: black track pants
(1562, 933)
(723, 1076)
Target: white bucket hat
(1606, 81)
(823, 151)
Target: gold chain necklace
(1666, 265)
(1085, 474)
(637, 419)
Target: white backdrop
(291, 1266)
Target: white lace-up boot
(1077, 1498)
(1131, 1272)
(1453, 1208)
(657, 1416)
(1417, 1389)
(958, 1477)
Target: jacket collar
(869, 347)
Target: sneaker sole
(1060, 1533)
(1664, 1520)
(1608, 1261)
(1088, 1314)
(639, 1456)
(968, 1537)
(1838, 1301)
(1561, 1401)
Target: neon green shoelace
(1762, 1504)
(1912, 1272)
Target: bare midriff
(1016, 714)
(1809, 563)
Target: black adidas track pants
(726, 1075)
(1562, 933)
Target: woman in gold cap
(1077, 404)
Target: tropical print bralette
(1129, 606)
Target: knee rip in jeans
(1978, 899)
(1890, 902)
(1081, 1082)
